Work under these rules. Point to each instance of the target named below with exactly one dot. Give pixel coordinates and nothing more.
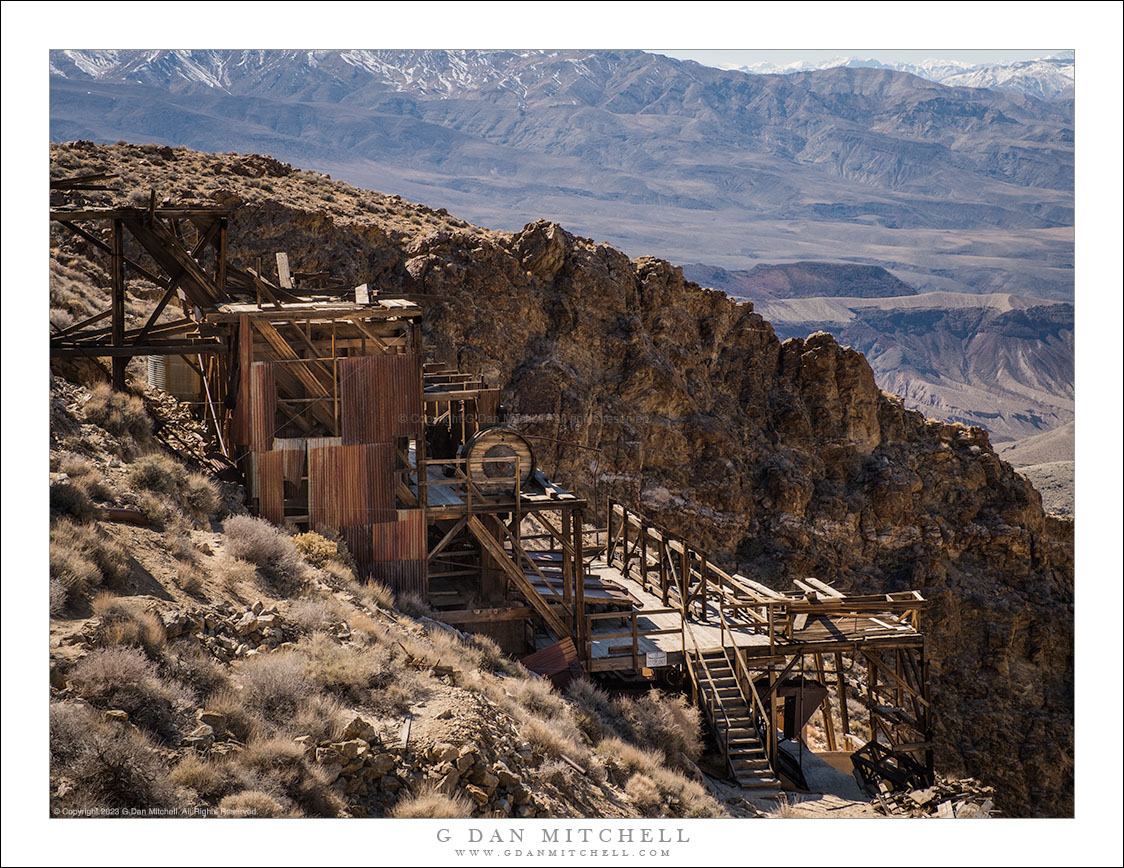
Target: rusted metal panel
(271, 486)
(358, 541)
(399, 553)
(558, 662)
(351, 485)
(263, 406)
(294, 450)
(380, 398)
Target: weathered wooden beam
(127, 351)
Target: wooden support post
(567, 561)
(624, 541)
(828, 719)
(684, 578)
(702, 585)
(844, 714)
(584, 648)
(773, 740)
(117, 277)
(220, 267)
(663, 570)
(643, 555)
(872, 679)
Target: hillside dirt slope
(784, 459)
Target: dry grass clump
(252, 803)
(234, 573)
(275, 685)
(427, 803)
(241, 722)
(108, 765)
(317, 550)
(123, 678)
(169, 481)
(259, 542)
(349, 672)
(184, 661)
(58, 596)
(70, 500)
(84, 475)
(316, 614)
(374, 594)
(659, 719)
(784, 810)
(189, 578)
(120, 414)
(414, 606)
(282, 771)
(125, 623)
(82, 559)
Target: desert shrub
(201, 496)
(157, 473)
(490, 655)
(275, 684)
(68, 725)
(280, 765)
(123, 623)
(554, 738)
(538, 697)
(123, 678)
(199, 774)
(118, 413)
(158, 509)
(339, 570)
(85, 475)
(68, 499)
(242, 722)
(682, 797)
(252, 803)
(414, 606)
(259, 542)
(119, 767)
(591, 708)
(349, 671)
(644, 794)
(82, 558)
(316, 614)
(316, 549)
(233, 572)
(321, 717)
(189, 578)
(185, 662)
(661, 720)
(58, 596)
(427, 803)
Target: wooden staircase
(732, 721)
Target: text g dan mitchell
(580, 835)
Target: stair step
(755, 783)
(741, 765)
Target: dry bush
(554, 738)
(109, 765)
(350, 671)
(187, 663)
(414, 606)
(58, 596)
(171, 483)
(591, 708)
(69, 500)
(784, 810)
(683, 797)
(123, 678)
(427, 803)
(280, 766)
(259, 542)
(125, 623)
(200, 496)
(316, 614)
(242, 722)
(252, 803)
(82, 558)
(275, 685)
(321, 717)
(340, 571)
(644, 795)
(623, 759)
(316, 549)
(84, 474)
(538, 697)
(233, 573)
(662, 720)
(118, 413)
(158, 509)
(199, 774)
(189, 578)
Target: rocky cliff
(784, 459)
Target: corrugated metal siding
(263, 406)
(399, 553)
(358, 540)
(294, 450)
(351, 485)
(271, 486)
(380, 398)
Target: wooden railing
(634, 632)
(466, 488)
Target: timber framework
(324, 399)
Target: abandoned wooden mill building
(324, 399)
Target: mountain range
(953, 188)
(1050, 77)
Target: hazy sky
(745, 56)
